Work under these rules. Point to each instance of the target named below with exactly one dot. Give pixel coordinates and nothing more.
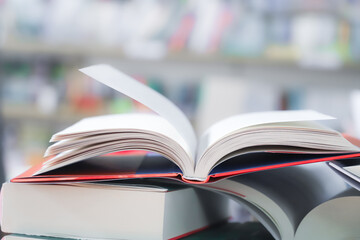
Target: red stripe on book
(199, 230)
(71, 178)
(28, 175)
(194, 181)
(226, 190)
(215, 177)
(219, 176)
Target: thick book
(239, 144)
(300, 202)
(224, 231)
(130, 210)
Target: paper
(354, 170)
(145, 95)
(232, 124)
(120, 132)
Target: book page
(263, 208)
(297, 189)
(350, 174)
(155, 101)
(286, 195)
(354, 170)
(333, 220)
(120, 132)
(232, 124)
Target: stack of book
(146, 176)
(109, 210)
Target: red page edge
(199, 229)
(27, 176)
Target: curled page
(229, 125)
(155, 101)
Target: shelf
(12, 48)
(31, 113)
(30, 48)
(183, 66)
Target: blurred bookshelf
(187, 65)
(269, 55)
(212, 58)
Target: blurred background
(213, 58)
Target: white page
(261, 206)
(287, 195)
(354, 170)
(146, 123)
(338, 218)
(138, 121)
(232, 124)
(145, 95)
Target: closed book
(225, 231)
(109, 210)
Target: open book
(239, 144)
(301, 202)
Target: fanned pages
(239, 144)
(105, 134)
(145, 95)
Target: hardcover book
(110, 210)
(299, 202)
(236, 145)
